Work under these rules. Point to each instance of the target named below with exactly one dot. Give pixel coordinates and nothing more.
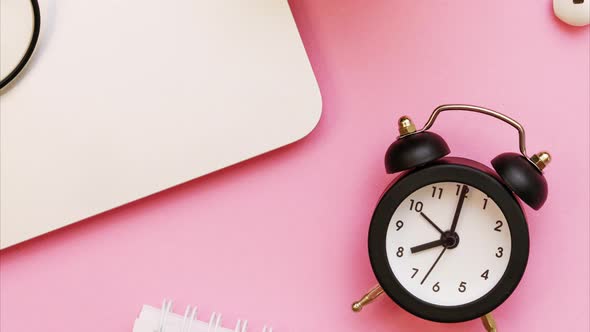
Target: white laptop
(123, 99)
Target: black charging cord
(30, 49)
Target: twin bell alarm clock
(448, 241)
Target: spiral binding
(190, 316)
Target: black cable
(30, 49)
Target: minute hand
(464, 191)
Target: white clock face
(461, 266)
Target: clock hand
(459, 207)
(433, 265)
(428, 245)
(431, 222)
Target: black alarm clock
(448, 241)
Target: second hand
(433, 265)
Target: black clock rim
(30, 49)
(473, 174)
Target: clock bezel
(473, 174)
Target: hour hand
(428, 245)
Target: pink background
(283, 237)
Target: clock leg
(489, 323)
(368, 298)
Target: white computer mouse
(573, 12)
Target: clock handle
(478, 109)
(489, 323)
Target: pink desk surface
(282, 238)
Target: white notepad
(165, 320)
